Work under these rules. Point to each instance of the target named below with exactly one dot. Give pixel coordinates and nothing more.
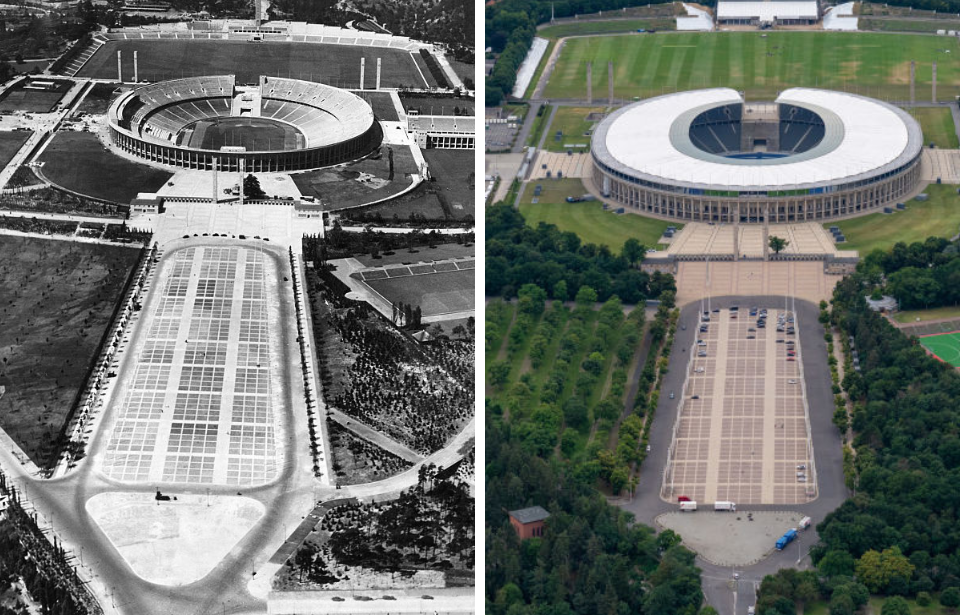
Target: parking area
(199, 401)
(742, 432)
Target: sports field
(588, 220)
(574, 128)
(30, 100)
(336, 65)
(762, 64)
(937, 217)
(10, 144)
(436, 293)
(945, 346)
(255, 134)
(79, 162)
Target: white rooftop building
(768, 12)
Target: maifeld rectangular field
(337, 65)
(762, 64)
(945, 346)
(435, 293)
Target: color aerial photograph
(722, 325)
(237, 307)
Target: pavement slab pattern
(199, 403)
(745, 541)
(742, 430)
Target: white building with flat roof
(768, 12)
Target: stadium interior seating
(718, 130)
(800, 129)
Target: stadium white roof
(649, 140)
(767, 11)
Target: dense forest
(560, 263)
(592, 558)
(919, 275)
(898, 535)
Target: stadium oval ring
(706, 155)
(322, 125)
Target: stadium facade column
(119, 68)
(136, 78)
(363, 62)
(378, 73)
(215, 188)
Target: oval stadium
(212, 122)
(708, 155)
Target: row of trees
(920, 275)
(560, 263)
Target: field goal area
(944, 346)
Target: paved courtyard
(801, 279)
(200, 403)
(742, 428)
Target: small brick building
(528, 522)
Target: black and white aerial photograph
(237, 307)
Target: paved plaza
(742, 428)
(801, 279)
(200, 403)
(698, 238)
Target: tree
(498, 373)
(777, 244)
(586, 296)
(842, 605)
(836, 564)
(251, 187)
(633, 251)
(875, 570)
(950, 597)
(895, 605)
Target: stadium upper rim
(648, 143)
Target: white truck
(725, 506)
(805, 523)
(688, 506)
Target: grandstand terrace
(280, 125)
(443, 131)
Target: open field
(78, 161)
(908, 316)
(945, 347)
(98, 99)
(938, 217)
(10, 144)
(434, 293)
(58, 298)
(370, 179)
(588, 220)
(251, 133)
(337, 65)
(937, 126)
(872, 64)
(33, 101)
(908, 25)
(453, 170)
(572, 123)
(605, 27)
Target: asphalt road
(646, 505)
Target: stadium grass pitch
(761, 64)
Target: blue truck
(786, 539)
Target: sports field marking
(943, 346)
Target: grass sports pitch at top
(944, 346)
(761, 64)
(336, 65)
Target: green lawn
(934, 608)
(588, 220)
(605, 27)
(539, 124)
(937, 126)
(904, 25)
(925, 315)
(873, 64)
(938, 217)
(572, 122)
